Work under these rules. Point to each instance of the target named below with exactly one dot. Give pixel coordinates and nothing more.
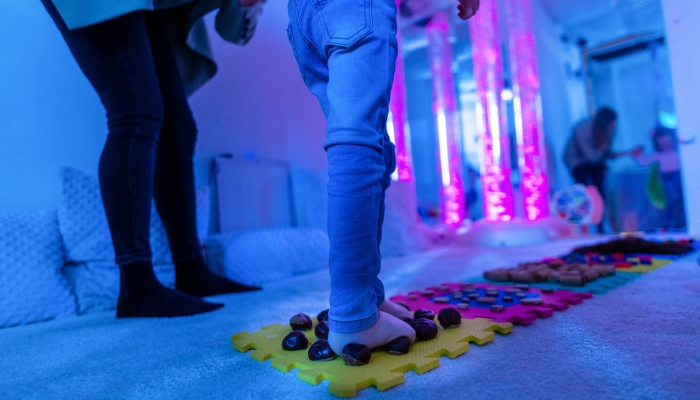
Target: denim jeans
(346, 51)
(151, 131)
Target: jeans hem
(352, 326)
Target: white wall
(554, 84)
(683, 33)
(50, 116)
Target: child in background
(346, 51)
(669, 164)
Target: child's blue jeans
(346, 51)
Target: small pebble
(444, 288)
(485, 300)
(520, 295)
(531, 301)
(474, 296)
(413, 297)
(497, 308)
(457, 293)
(442, 300)
(468, 290)
(492, 293)
(521, 286)
(463, 306)
(507, 299)
(428, 293)
(512, 291)
(457, 296)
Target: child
(666, 155)
(346, 51)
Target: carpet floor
(640, 341)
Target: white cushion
(262, 256)
(33, 288)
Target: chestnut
(321, 330)
(322, 316)
(423, 313)
(410, 321)
(398, 346)
(449, 317)
(295, 341)
(301, 322)
(356, 354)
(404, 305)
(425, 329)
(321, 351)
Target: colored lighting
(490, 114)
(452, 200)
(397, 122)
(532, 157)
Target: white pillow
(96, 283)
(84, 225)
(31, 257)
(262, 256)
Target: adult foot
(141, 295)
(194, 277)
(394, 309)
(385, 329)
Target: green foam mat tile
(599, 286)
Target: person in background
(143, 63)
(590, 148)
(669, 163)
(346, 51)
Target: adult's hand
(247, 3)
(467, 8)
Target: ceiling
(604, 20)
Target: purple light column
(490, 114)
(532, 158)
(447, 120)
(397, 123)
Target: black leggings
(152, 134)
(592, 174)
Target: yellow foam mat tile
(643, 269)
(384, 370)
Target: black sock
(193, 276)
(142, 295)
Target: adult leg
(597, 177)
(174, 191)
(116, 58)
(352, 81)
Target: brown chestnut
(404, 305)
(321, 351)
(423, 313)
(425, 329)
(321, 330)
(301, 322)
(322, 316)
(410, 321)
(449, 317)
(398, 346)
(295, 341)
(356, 354)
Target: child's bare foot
(385, 329)
(394, 309)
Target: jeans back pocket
(344, 22)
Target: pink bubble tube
(452, 199)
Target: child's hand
(467, 8)
(637, 151)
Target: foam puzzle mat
(514, 312)
(599, 286)
(384, 371)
